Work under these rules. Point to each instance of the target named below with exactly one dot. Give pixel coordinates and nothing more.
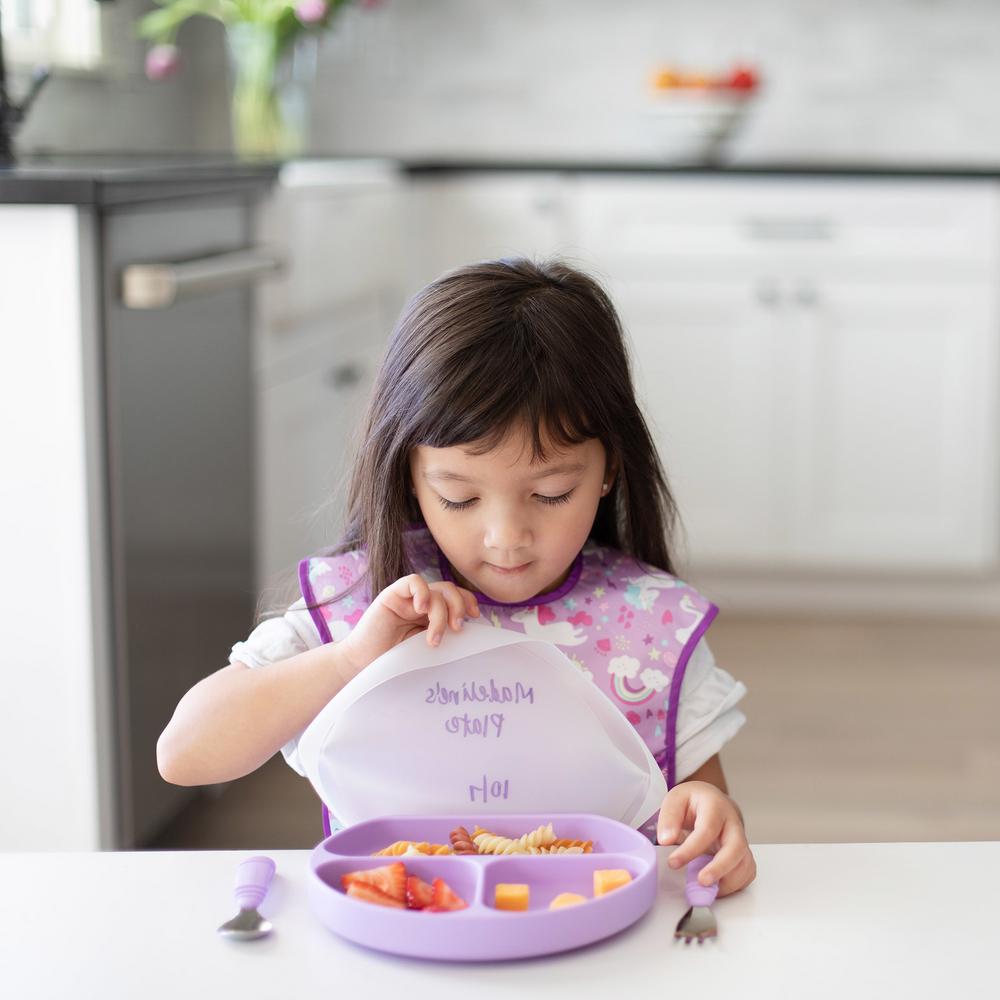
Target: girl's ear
(610, 471)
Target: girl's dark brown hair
(479, 351)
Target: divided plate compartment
(481, 932)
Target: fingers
(471, 604)
(706, 829)
(740, 876)
(443, 603)
(449, 605)
(456, 603)
(673, 816)
(732, 851)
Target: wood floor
(856, 731)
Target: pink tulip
(310, 11)
(162, 61)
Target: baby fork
(699, 921)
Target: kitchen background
(890, 80)
(845, 255)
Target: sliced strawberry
(389, 879)
(445, 897)
(369, 894)
(418, 893)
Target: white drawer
(641, 221)
(340, 244)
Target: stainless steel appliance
(178, 291)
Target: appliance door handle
(156, 286)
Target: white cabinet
(308, 416)
(892, 433)
(703, 364)
(819, 360)
(456, 219)
(57, 717)
(831, 424)
(323, 329)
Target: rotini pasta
(490, 843)
(587, 845)
(461, 842)
(483, 841)
(401, 847)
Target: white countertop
(821, 920)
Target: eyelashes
(461, 505)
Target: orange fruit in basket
(665, 79)
(742, 78)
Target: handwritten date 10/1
(496, 789)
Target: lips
(509, 569)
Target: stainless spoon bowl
(253, 877)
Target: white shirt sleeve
(707, 718)
(277, 639)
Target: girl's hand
(716, 828)
(406, 607)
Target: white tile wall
(853, 79)
(893, 80)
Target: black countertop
(122, 179)
(761, 168)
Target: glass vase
(272, 83)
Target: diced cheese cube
(566, 899)
(511, 896)
(606, 879)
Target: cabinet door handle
(789, 229)
(156, 286)
(767, 294)
(342, 376)
(546, 204)
(806, 295)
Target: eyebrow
(555, 470)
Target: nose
(506, 536)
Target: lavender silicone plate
(481, 932)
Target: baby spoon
(252, 880)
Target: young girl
(505, 473)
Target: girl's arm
(711, 771)
(232, 721)
(228, 724)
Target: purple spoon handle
(252, 880)
(696, 893)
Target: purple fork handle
(253, 877)
(696, 893)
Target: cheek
(574, 529)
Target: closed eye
(462, 504)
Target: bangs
(514, 394)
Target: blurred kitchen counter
(810, 169)
(120, 179)
(117, 180)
